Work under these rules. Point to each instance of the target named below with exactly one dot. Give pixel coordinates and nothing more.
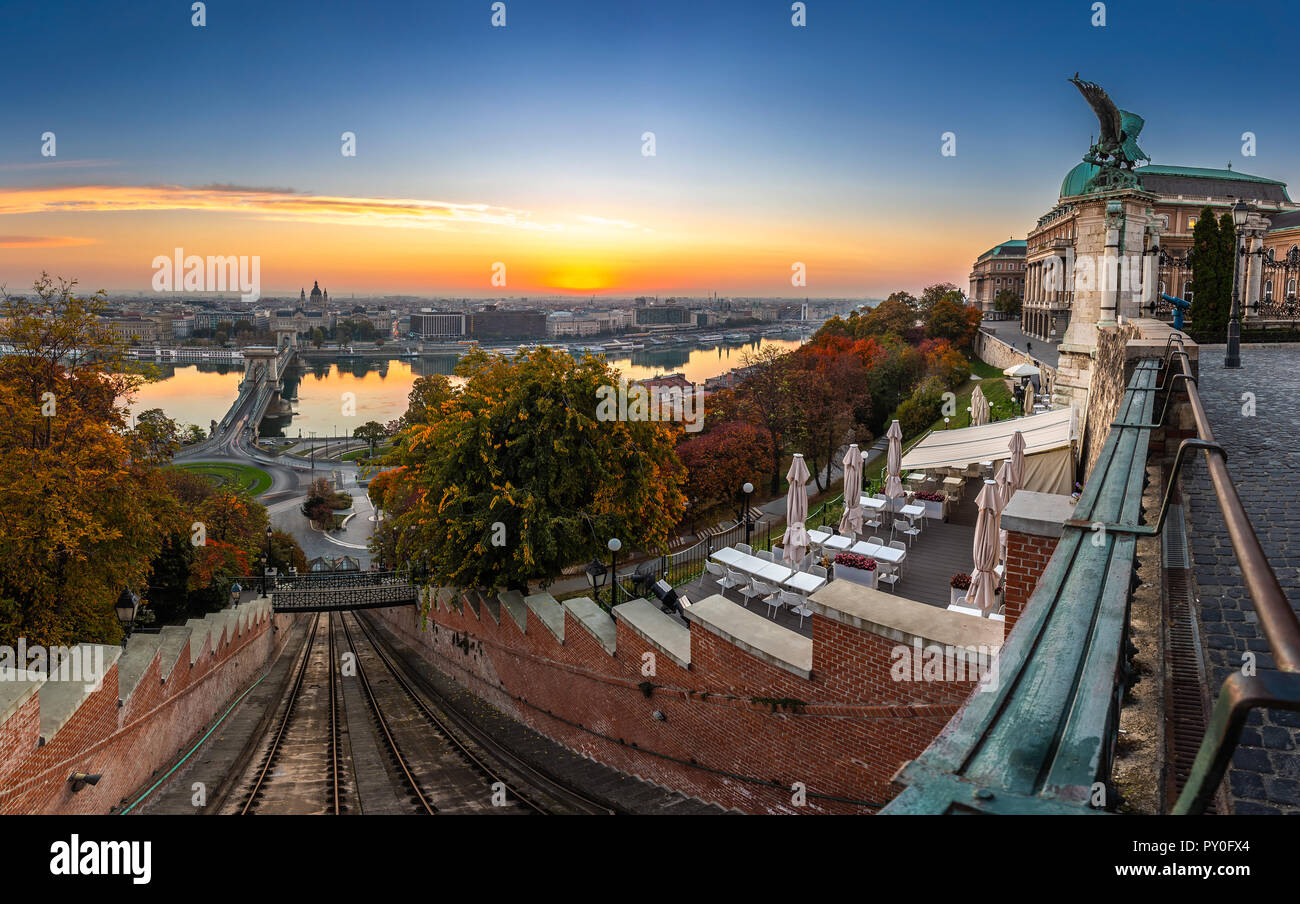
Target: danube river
(199, 394)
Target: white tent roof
(958, 448)
(1021, 370)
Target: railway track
(488, 757)
(312, 712)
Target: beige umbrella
(1029, 398)
(977, 413)
(1017, 460)
(1005, 492)
(795, 539)
(984, 581)
(851, 520)
(893, 479)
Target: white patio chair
(817, 571)
(774, 603)
(778, 553)
(734, 579)
(745, 548)
(796, 601)
(875, 541)
(911, 531)
(764, 554)
(888, 574)
(755, 588)
(719, 574)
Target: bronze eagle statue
(1117, 144)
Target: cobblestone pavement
(1264, 460)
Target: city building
(495, 322)
(430, 324)
(1001, 268)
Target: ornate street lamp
(748, 490)
(614, 544)
(595, 576)
(1240, 213)
(126, 606)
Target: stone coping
(754, 634)
(596, 620)
(551, 614)
(649, 622)
(62, 695)
(513, 602)
(903, 620)
(1040, 514)
(17, 687)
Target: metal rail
(1241, 693)
(382, 721)
(481, 738)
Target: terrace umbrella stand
(893, 479)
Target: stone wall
(710, 711)
(154, 698)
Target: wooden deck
(942, 550)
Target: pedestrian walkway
(1254, 416)
(1009, 332)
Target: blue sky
(827, 134)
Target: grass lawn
(245, 478)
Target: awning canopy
(1048, 432)
(1021, 370)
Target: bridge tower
(286, 336)
(260, 364)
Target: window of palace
(1268, 290)
(1290, 288)
(1191, 223)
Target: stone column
(1034, 523)
(1255, 269)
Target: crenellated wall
(733, 709)
(154, 697)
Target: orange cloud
(265, 204)
(44, 241)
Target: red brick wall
(855, 726)
(127, 744)
(1027, 557)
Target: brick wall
(1027, 557)
(735, 730)
(127, 744)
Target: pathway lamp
(1240, 213)
(595, 576)
(748, 490)
(614, 544)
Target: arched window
(1290, 288)
(1268, 290)
(1187, 295)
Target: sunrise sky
(522, 144)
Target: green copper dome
(1076, 179)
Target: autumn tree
(829, 379)
(523, 474)
(720, 461)
(766, 400)
(950, 319)
(889, 318)
(83, 512)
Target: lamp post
(748, 490)
(1240, 213)
(614, 544)
(269, 531)
(595, 576)
(313, 451)
(126, 606)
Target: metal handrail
(1241, 692)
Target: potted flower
(933, 503)
(856, 568)
(960, 584)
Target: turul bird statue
(1117, 145)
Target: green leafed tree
(525, 472)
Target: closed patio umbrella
(986, 549)
(1017, 461)
(795, 540)
(1029, 398)
(893, 479)
(851, 520)
(1005, 492)
(978, 415)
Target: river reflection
(318, 390)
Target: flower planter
(932, 509)
(856, 575)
